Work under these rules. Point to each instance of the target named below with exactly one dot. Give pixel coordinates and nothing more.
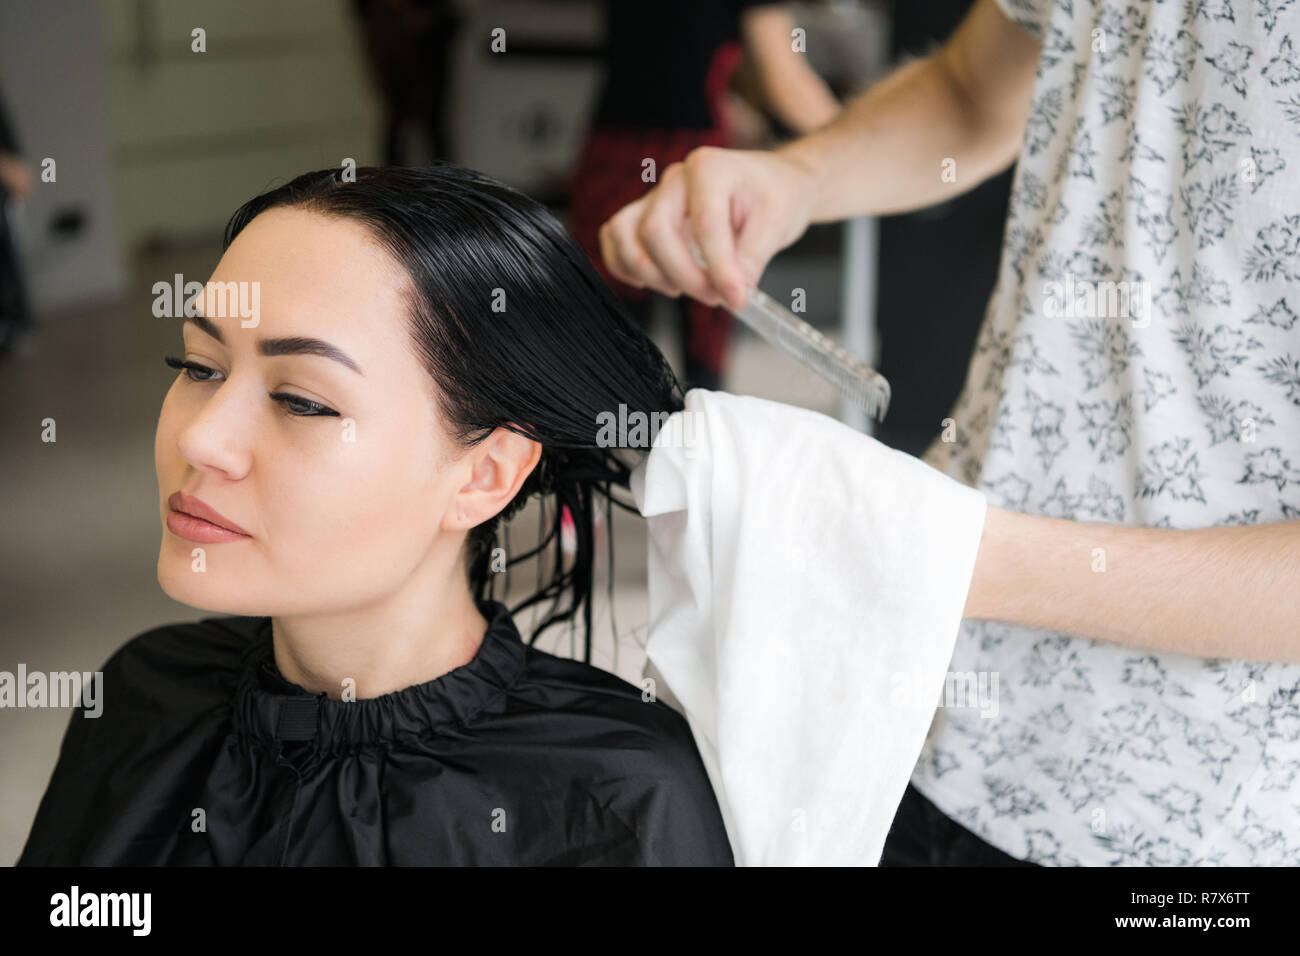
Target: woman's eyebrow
(290, 345)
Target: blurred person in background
(408, 51)
(668, 67)
(16, 323)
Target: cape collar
(269, 707)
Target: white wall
(53, 72)
(280, 90)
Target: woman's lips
(196, 529)
(192, 519)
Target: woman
(429, 349)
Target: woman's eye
(190, 368)
(295, 405)
(301, 407)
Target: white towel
(806, 584)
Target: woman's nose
(219, 432)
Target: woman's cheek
(165, 453)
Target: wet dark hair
(561, 352)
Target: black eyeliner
(317, 410)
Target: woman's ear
(499, 465)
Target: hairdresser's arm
(1231, 592)
(884, 153)
(967, 102)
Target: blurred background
(131, 129)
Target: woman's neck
(409, 638)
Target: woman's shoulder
(185, 659)
(197, 644)
(600, 701)
(623, 750)
(165, 691)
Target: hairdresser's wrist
(809, 157)
(993, 581)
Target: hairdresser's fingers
(612, 235)
(664, 236)
(715, 206)
(771, 209)
(623, 254)
(744, 207)
(616, 238)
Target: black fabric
(918, 26)
(922, 835)
(517, 757)
(937, 268)
(8, 139)
(15, 311)
(657, 57)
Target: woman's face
(338, 510)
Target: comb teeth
(778, 325)
(854, 378)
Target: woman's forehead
(315, 275)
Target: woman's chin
(198, 589)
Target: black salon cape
(205, 755)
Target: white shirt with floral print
(1138, 364)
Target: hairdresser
(1137, 588)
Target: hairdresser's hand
(740, 206)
